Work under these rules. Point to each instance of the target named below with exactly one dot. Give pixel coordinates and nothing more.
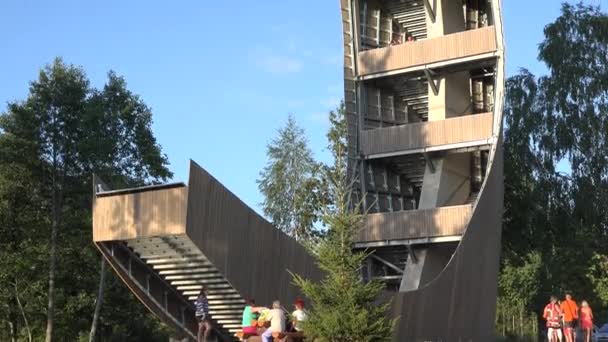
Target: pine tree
(343, 308)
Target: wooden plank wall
(140, 214)
(460, 304)
(425, 134)
(426, 51)
(412, 224)
(252, 255)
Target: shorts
(251, 330)
(550, 332)
(569, 324)
(202, 318)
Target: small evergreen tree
(343, 308)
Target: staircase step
(185, 265)
(230, 299)
(233, 312)
(208, 284)
(226, 318)
(214, 293)
(197, 281)
(211, 286)
(194, 276)
(207, 281)
(180, 259)
(187, 271)
(237, 308)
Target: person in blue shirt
(202, 316)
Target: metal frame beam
(387, 263)
(407, 242)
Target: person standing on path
(552, 315)
(570, 310)
(202, 316)
(586, 320)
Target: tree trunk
(513, 325)
(51, 295)
(27, 325)
(57, 207)
(504, 322)
(102, 277)
(521, 322)
(11, 330)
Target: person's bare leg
(199, 335)
(572, 335)
(207, 333)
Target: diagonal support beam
(429, 162)
(430, 77)
(431, 9)
(387, 263)
(410, 251)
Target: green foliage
(555, 222)
(336, 139)
(50, 144)
(336, 144)
(343, 308)
(290, 183)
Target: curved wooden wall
(253, 256)
(460, 304)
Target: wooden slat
(453, 46)
(457, 130)
(141, 214)
(414, 224)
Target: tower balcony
(457, 132)
(432, 53)
(443, 224)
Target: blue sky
(220, 76)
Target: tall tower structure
(423, 84)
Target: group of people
(398, 40)
(565, 316)
(276, 316)
(251, 313)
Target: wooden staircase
(177, 260)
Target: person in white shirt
(276, 316)
(299, 315)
